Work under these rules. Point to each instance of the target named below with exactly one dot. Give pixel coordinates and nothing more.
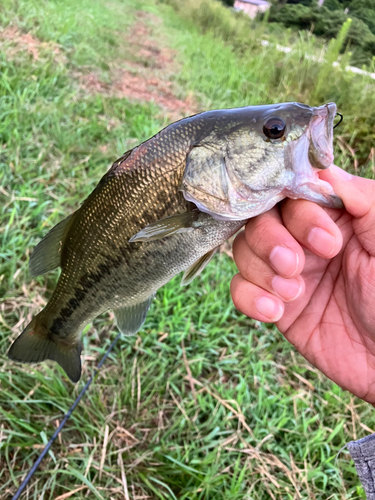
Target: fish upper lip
(321, 153)
(329, 109)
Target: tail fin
(31, 347)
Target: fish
(165, 207)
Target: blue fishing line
(63, 422)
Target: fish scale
(141, 226)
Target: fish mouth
(321, 138)
(311, 153)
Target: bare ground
(13, 42)
(145, 75)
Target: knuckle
(245, 260)
(236, 290)
(247, 270)
(258, 228)
(239, 239)
(259, 223)
(261, 236)
(296, 216)
(239, 246)
(291, 208)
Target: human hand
(311, 271)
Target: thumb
(358, 196)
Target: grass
(204, 403)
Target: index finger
(358, 195)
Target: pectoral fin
(174, 224)
(131, 318)
(47, 254)
(197, 267)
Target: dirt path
(13, 42)
(144, 74)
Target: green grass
(254, 420)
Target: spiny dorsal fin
(174, 224)
(118, 162)
(47, 254)
(131, 318)
(197, 267)
(31, 347)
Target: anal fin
(131, 318)
(47, 254)
(197, 267)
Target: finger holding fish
(279, 242)
(313, 227)
(270, 240)
(254, 301)
(256, 271)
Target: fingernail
(287, 289)
(269, 308)
(321, 241)
(284, 260)
(339, 172)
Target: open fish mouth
(310, 154)
(321, 140)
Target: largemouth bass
(165, 207)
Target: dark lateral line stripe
(87, 281)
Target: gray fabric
(363, 455)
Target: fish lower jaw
(316, 190)
(320, 159)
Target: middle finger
(258, 272)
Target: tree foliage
(326, 21)
(364, 10)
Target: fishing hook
(341, 119)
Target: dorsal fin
(47, 254)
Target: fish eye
(274, 127)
